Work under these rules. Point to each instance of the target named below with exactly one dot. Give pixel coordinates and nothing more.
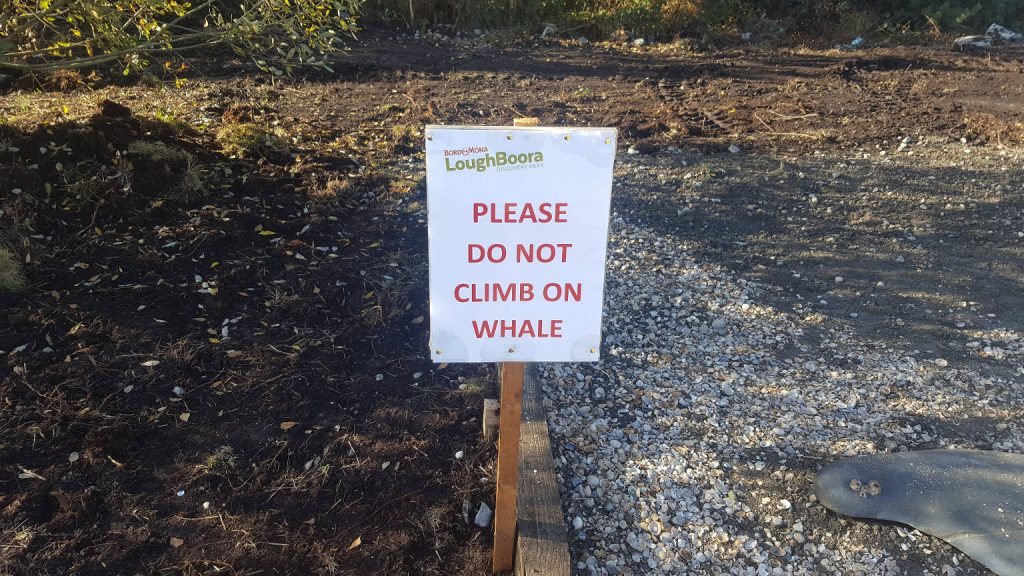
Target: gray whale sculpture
(972, 499)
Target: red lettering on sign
(543, 253)
(478, 253)
(515, 213)
(517, 328)
(567, 292)
(494, 292)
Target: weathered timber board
(542, 549)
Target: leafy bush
(828, 17)
(950, 15)
(466, 14)
(590, 16)
(634, 16)
(666, 18)
(42, 35)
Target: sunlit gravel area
(692, 446)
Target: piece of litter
(1004, 34)
(483, 516)
(973, 42)
(27, 474)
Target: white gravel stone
(690, 448)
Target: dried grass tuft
(12, 274)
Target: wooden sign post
(509, 421)
(518, 228)
(510, 418)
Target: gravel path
(691, 447)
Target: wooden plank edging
(510, 421)
(542, 548)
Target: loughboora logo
(499, 160)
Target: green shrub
(951, 15)
(42, 35)
(855, 17)
(667, 18)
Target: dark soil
(259, 342)
(253, 349)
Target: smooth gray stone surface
(973, 499)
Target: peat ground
(243, 322)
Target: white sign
(518, 224)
